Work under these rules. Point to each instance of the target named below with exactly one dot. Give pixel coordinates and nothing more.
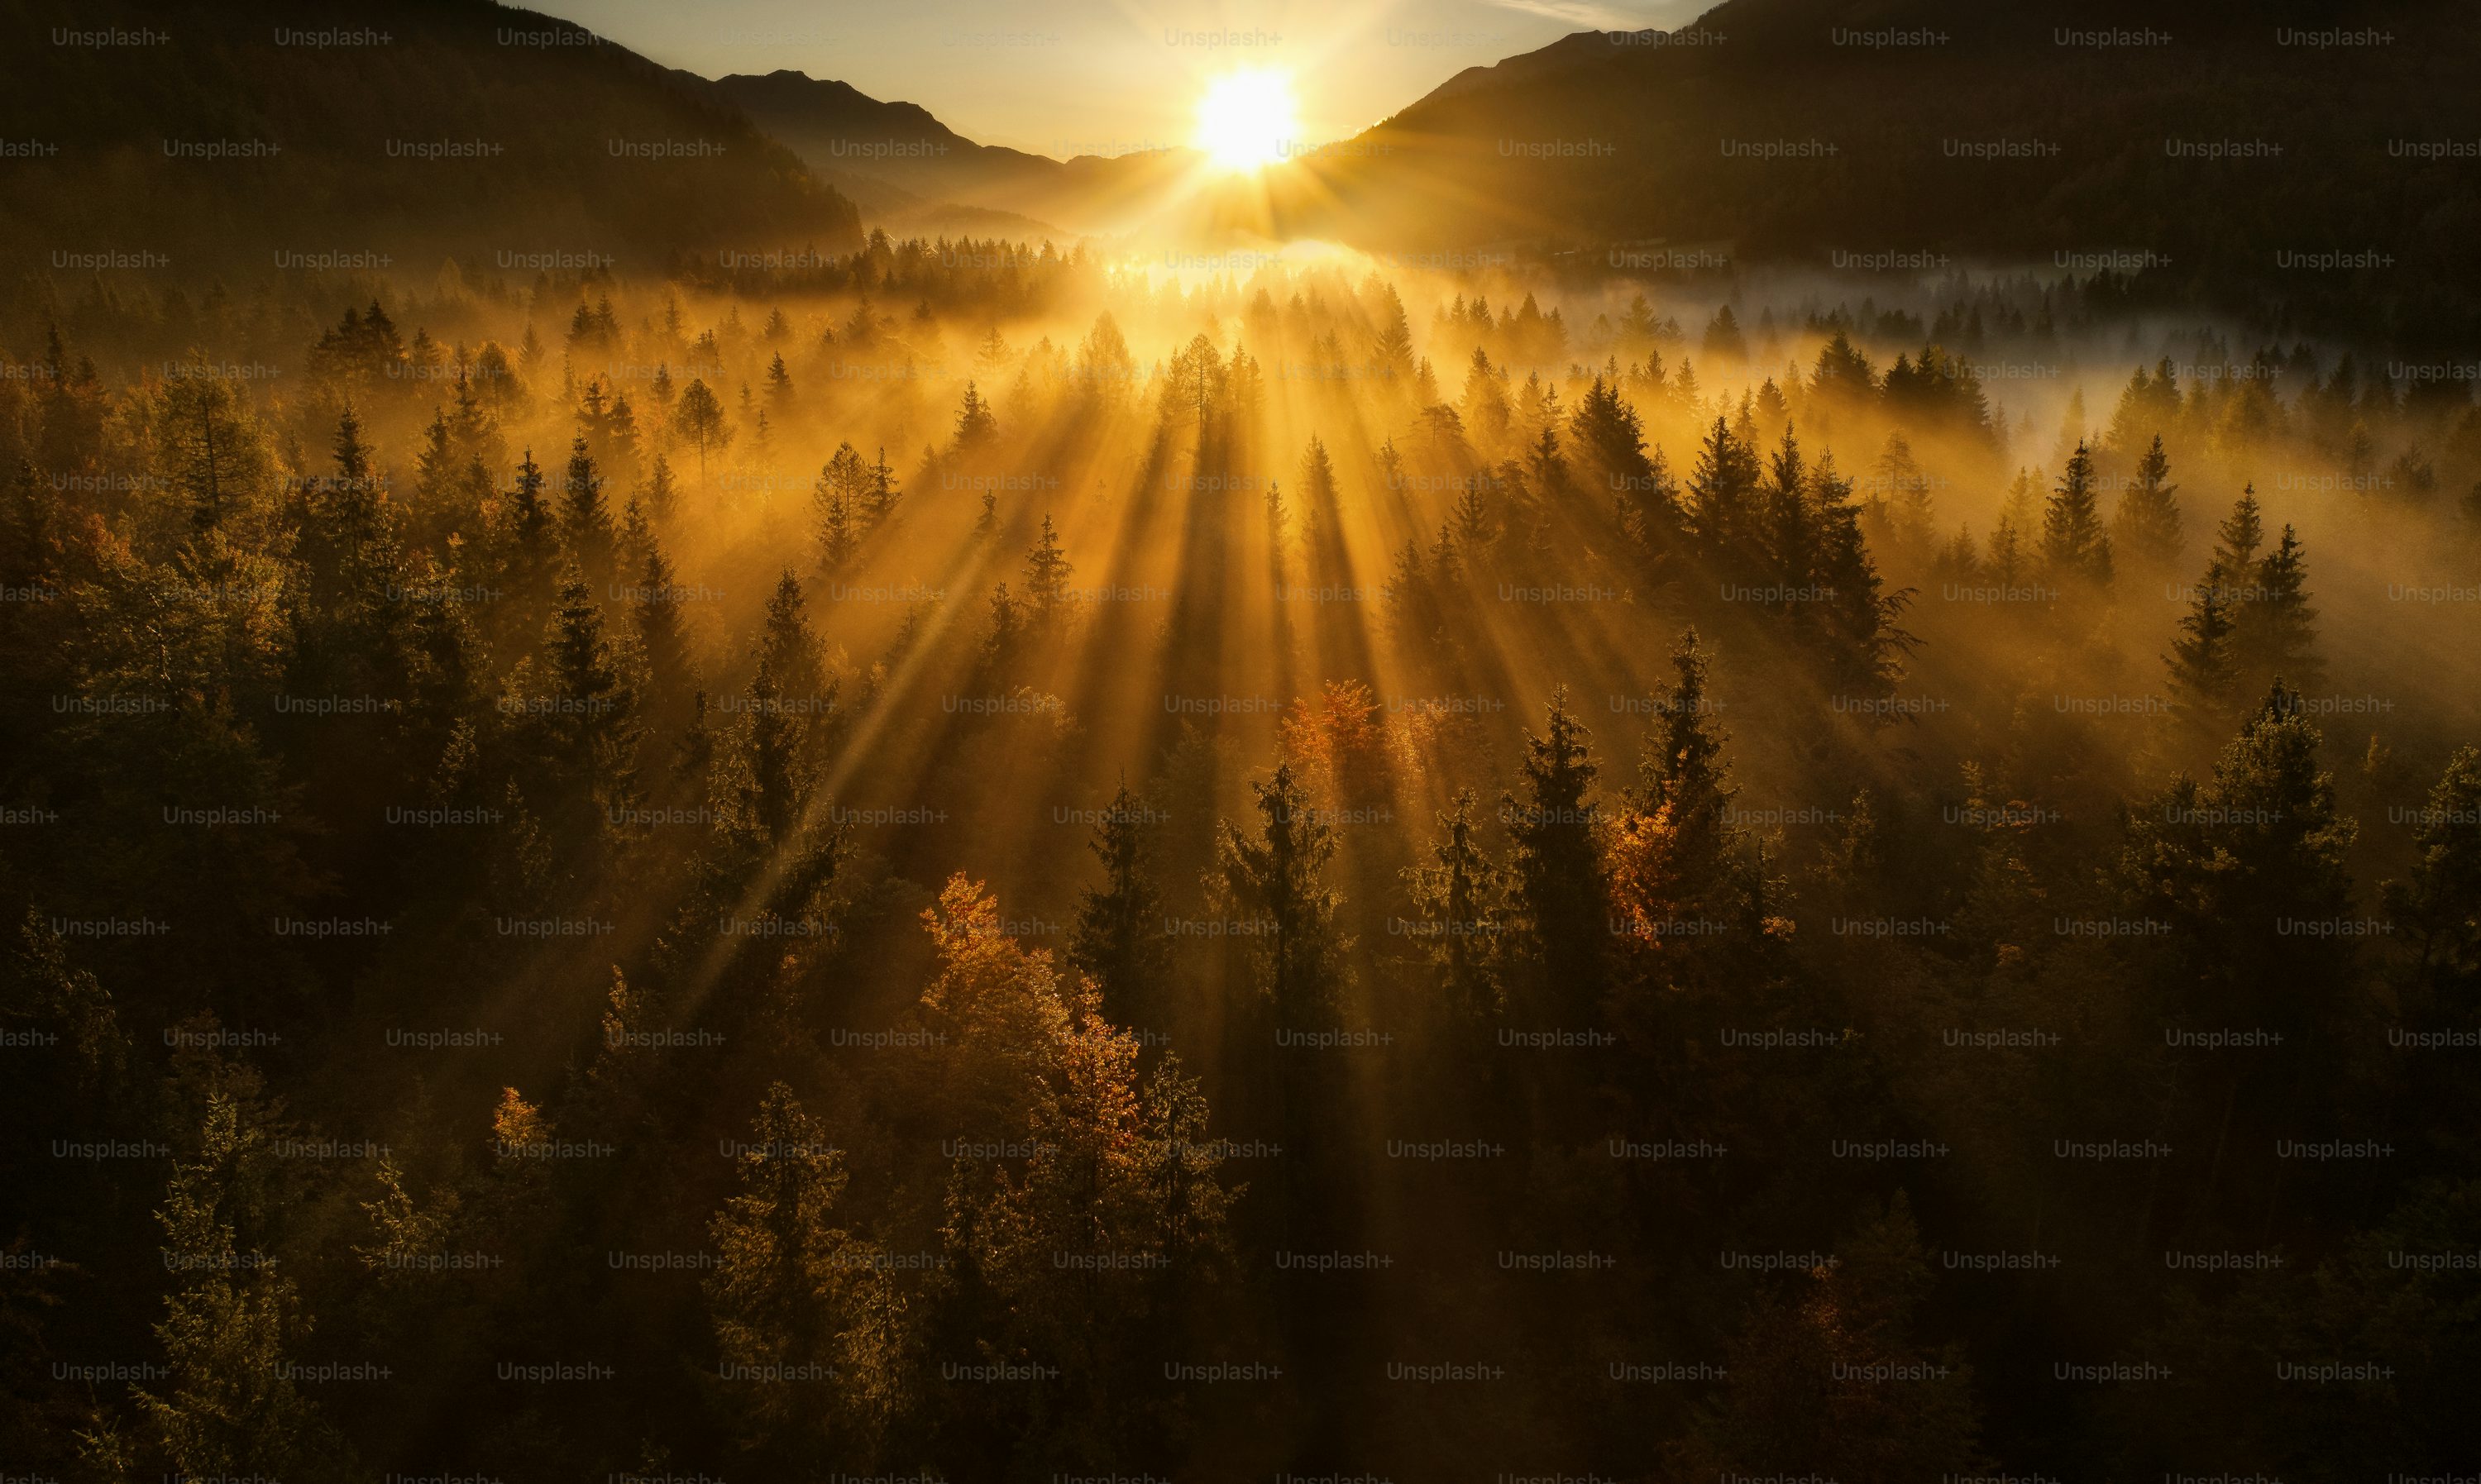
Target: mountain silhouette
(237, 136)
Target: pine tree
(839, 534)
(1682, 769)
(974, 424)
(779, 386)
(2146, 525)
(2232, 865)
(1394, 354)
(213, 453)
(1276, 879)
(1483, 406)
(1476, 526)
(1901, 497)
(1722, 490)
(880, 495)
(584, 520)
(1723, 340)
(788, 647)
(836, 498)
(1317, 487)
(2275, 630)
(2438, 904)
(793, 1295)
(759, 786)
(2239, 536)
(659, 491)
(2074, 551)
(1460, 897)
(1117, 938)
(2203, 670)
(661, 637)
(1555, 869)
(589, 725)
(528, 527)
(1006, 626)
(232, 1407)
(699, 422)
(1046, 573)
(1785, 533)
(1865, 655)
(1546, 467)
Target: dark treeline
(993, 870)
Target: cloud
(1587, 16)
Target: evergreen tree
(663, 638)
(836, 499)
(1683, 771)
(879, 494)
(779, 386)
(2238, 536)
(232, 1407)
(699, 422)
(588, 718)
(660, 492)
(2146, 525)
(788, 647)
(584, 520)
(1046, 573)
(1865, 647)
(1117, 938)
(1274, 880)
(527, 527)
(2438, 904)
(1785, 534)
(1476, 526)
(1007, 623)
(2204, 673)
(2275, 630)
(974, 424)
(1460, 897)
(2075, 554)
(1555, 869)
(794, 1295)
(1723, 498)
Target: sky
(1064, 77)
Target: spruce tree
(584, 520)
(1722, 496)
(2075, 554)
(1459, 895)
(1117, 938)
(1555, 866)
(2203, 667)
(1046, 573)
(880, 493)
(699, 422)
(789, 647)
(2275, 630)
(2145, 529)
(975, 426)
(1788, 537)
(1274, 880)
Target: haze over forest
(1740, 752)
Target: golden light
(1244, 119)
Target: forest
(972, 860)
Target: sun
(1246, 118)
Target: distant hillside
(1795, 128)
(867, 146)
(224, 137)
